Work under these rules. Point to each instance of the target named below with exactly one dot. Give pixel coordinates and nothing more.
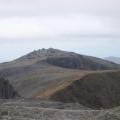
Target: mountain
(61, 59)
(44, 73)
(69, 60)
(113, 59)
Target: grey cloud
(93, 7)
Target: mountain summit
(46, 53)
(65, 59)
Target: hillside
(96, 90)
(30, 81)
(46, 68)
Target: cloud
(57, 26)
(38, 7)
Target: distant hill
(113, 59)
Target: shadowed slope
(97, 90)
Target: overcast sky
(90, 27)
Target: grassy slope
(97, 90)
(33, 78)
(31, 81)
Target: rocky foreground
(45, 110)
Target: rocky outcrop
(6, 90)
